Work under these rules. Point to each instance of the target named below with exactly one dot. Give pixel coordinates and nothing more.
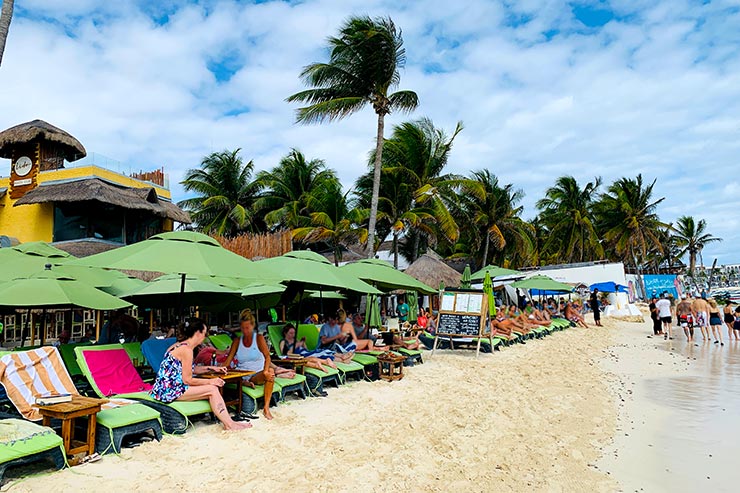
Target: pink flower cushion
(113, 372)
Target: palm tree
(226, 194)
(293, 189)
(336, 226)
(363, 67)
(6, 15)
(628, 221)
(493, 213)
(567, 212)
(691, 237)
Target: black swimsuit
(729, 318)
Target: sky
(608, 88)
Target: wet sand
(679, 423)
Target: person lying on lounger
(348, 328)
(250, 353)
(314, 359)
(408, 338)
(176, 376)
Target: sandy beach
(558, 414)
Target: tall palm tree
(628, 220)
(224, 204)
(494, 215)
(6, 15)
(363, 67)
(567, 212)
(691, 237)
(337, 226)
(293, 189)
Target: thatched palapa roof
(431, 270)
(39, 129)
(95, 189)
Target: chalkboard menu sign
(462, 314)
(458, 324)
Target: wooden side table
(228, 377)
(390, 366)
(78, 407)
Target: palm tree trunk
(692, 263)
(395, 249)
(485, 252)
(6, 14)
(376, 188)
(415, 253)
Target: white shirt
(664, 307)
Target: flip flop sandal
(247, 416)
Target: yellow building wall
(35, 222)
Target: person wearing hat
(665, 312)
(685, 317)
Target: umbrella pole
(98, 320)
(182, 295)
(42, 330)
(321, 301)
(33, 328)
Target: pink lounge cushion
(113, 372)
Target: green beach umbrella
(488, 289)
(166, 292)
(50, 289)
(465, 282)
(495, 271)
(327, 295)
(372, 312)
(542, 283)
(412, 299)
(30, 258)
(384, 276)
(123, 285)
(314, 272)
(178, 252)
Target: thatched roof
(95, 189)
(39, 129)
(431, 270)
(86, 247)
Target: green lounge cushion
(20, 438)
(221, 341)
(365, 359)
(126, 415)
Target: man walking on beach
(700, 311)
(685, 317)
(664, 312)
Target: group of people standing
(691, 313)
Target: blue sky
(544, 88)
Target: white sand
(532, 417)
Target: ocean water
(696, 445)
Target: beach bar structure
(81, 209)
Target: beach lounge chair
(112, 374)
(28, 374)
(23, 442)
(315, 379)
(353, 369)
(154, 350)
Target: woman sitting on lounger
(250, 353)
(176, 380)
(314, 359)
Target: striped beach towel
(29, 374)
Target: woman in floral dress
(176, 380)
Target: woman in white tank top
(251, 354)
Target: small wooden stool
(390, 366)
(78, 407)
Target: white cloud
(654, 91)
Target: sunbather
(249, 353)
(348, 328)
(571, 313)
(408, 337)
(314, 359)
(176, 380)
